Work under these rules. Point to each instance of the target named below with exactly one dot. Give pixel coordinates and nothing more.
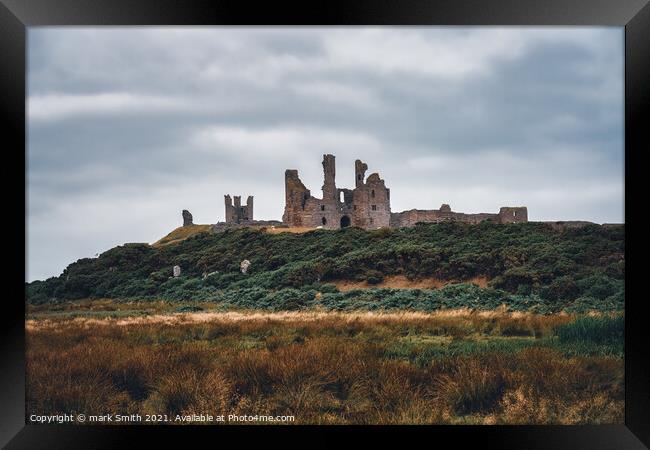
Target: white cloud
(445, 54)
(64, 106)
(338, 93)
(282, 143)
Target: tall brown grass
(337, 369)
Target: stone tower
(236, 213)
(359, 172)
(296, 195)
(329, 175)
(367, 205)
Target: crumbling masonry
(367, 205)
(187, 218)
(240, 216)
(237, 213)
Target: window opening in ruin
(374, 207)
(514, 214)
(322, 207)
(372, 193)
(345, 221)
(341, 197)
(359, 177)
(371, 221)
(324, 221)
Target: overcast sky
(128, 126)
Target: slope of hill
(182, 233)
(527, 266)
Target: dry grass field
(448, 367)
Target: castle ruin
(367, 205)
(236, 213)
(240, 216)
(187, 218)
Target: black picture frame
(16, 15)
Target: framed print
(351, 217)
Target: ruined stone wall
(235, 212)
(321, 213)
(230, 214)
(302, 209)
(444, 214)
(187, 218)
(371, 205)
(223, 226)
(248, 211)
(329, 179)
(296, 195)
(367, 205)
(509, 214)
(359, 172)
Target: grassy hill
(182, 233)
(527, 266)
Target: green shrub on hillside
(527, 263)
